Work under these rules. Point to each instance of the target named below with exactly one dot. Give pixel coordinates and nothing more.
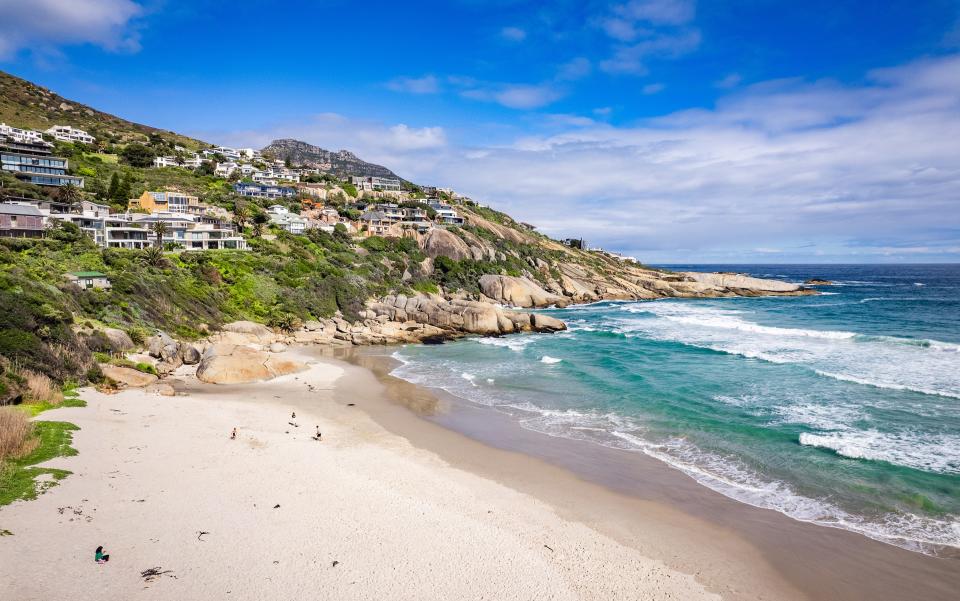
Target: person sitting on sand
(293, 415)
(233, 435)
(318, 436)
(99, 557)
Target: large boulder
(236, 364)
(519, 292)
(126, 376)
(442, 243)
(158, 342)
(742, 282)
(119, 340)
(255, 332)
(189, 354)
(545, 323)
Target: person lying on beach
(99, 557)
(233, 435)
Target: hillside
(341, 163)
(478, 277)
(25, 104)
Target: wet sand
(739, 551)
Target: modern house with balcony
(190, 233)
(20, 135)
(21, 221)
(263, 190)
(33, 162)
(166, 202)
(376, 183)
(281, 217)
(65, 133)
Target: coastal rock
(818, 282)
(742, 282)
(519, 292)
(119, 340)
(189, 354)
(236, 364)
(255, 332)
(161, 389)
(277, 347)
(158, 342)
(545, 323)
(442, 243)
(126, 376)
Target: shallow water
(841, 409)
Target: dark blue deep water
(841, 409)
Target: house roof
(88, 274)
(12, 209)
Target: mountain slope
(25, 104)
(341, 163)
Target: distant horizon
(672, 130)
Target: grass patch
(18, 477)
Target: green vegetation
(18, 477)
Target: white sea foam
(514, 343)
(929, 367)
(929, 453)
(469, 378)
(549, 360)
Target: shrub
(41, 388)
(146, 368)
(16, 434)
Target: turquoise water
(841, 409)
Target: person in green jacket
(99, 557)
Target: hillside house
(262, 190)
(65, 133)
(34, 162)
(21, 221)
(89, 279)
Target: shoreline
(812, 560)
(557, 524)
(275, 514)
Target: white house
(190, 162)
(284, 219)
(70, 134)
(20, 135)
(225, 169)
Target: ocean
(841, 409)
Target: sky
(675, 131)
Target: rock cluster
(226, 363)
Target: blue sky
(674, 130)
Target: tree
(137, 155)
(70, 194)
(240, 214)
(113, 192)
(205, 168)
(153, 256)
(179, 159)
(160, 230)
(259, 220)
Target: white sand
(153, 472)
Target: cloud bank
(42, 26)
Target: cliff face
(542, 272)
(341, 163)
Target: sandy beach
(409, 496)
(277, 515)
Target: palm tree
(153, 256)
(259, 220)
(240, 215)
(160, 230)
(70, 194)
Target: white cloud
(516, 96)
(658, 12)
(408, 138)
(653, 88)
(854, 169)
(42, 26)
(513, 34)
(731, 80)
(577, 68)
(633, 59)
(427, 84)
